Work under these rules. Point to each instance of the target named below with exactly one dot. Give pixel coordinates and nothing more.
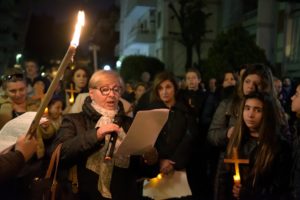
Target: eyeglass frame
(114, 90)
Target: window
(158, 19)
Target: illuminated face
(228, 80)
(80, 79)
(295, 107)
(107, 94)
(252, 114)
(16, 91)
(192, 81)
(55, 110)
(166, 91)
(250, 83)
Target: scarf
(96, 162)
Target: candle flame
(78, 26)
(159, 176)
(237, 179)
(71, 100)
(46, 110)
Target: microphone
(112, 140)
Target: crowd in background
(249, 110)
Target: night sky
(52, 25)
(63, 10)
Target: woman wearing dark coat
(85, 135)
(175, 141)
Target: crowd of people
(249, 111)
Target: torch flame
(78, 26)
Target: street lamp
(18, 58)
(107, 67)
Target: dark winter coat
(175, 141)
(78, 135)
(11, 164)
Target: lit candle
(159, 176)
(236, 161)
(237, 179)
(71, 90)
(154, 181)
(46, 111)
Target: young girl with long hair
(257, 136)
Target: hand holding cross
(236, 161)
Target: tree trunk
(189, 56)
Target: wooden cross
(236, 161)
(71, 91)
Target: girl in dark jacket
(256, 77)
(257, 137)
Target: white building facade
(146, 28)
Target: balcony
(138, 35)
(136, 8)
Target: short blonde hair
(99, 76)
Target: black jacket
(11, 164)
(176, 139)
(78, 135)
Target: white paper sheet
(174, 185)
(14, 128)
(143, 132)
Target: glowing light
(107, 67)
(46, 111)
(237, 179)
(18, 57)
(159, 176)
(78, 26)
(118, 64)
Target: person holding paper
(174, 143)
(11, 163)
(85, 137)
(15, 101)
(257, 136)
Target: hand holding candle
(236, 161)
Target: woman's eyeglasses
(106, 90)
(13, 77)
